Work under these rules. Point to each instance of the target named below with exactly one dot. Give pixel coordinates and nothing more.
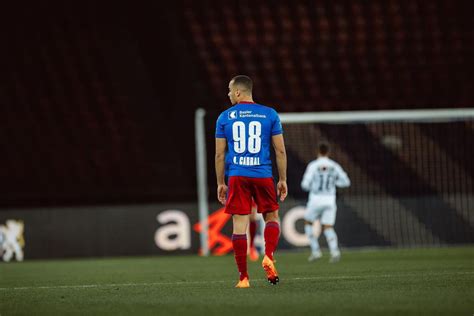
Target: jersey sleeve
(307, 177)
(220, 132)
(342, 180)
(277, 129)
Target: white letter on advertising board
(176, 231)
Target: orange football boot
(269, 267)
(243, 283)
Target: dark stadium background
(97, 101)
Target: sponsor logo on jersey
(232, 115)
(249, 114)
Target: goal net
(411, 171)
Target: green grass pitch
(435, 281)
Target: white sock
(313, 241)
(331, 238)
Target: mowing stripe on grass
(339, 277)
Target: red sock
(253, 231)
(271, 234)
(239, 242)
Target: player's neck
(247, 100)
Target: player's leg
(271, 236)
(7, 255)
(18, 252)
(313, 242)
(271, 233)
(239, 243)
(253, 253)
(310, 216)
(328, 220)
(332, 241)
(266, 199)
(239, 205)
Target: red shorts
(243, 189)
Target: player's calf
(332, 241)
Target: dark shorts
(243, 189)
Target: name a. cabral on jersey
(247, 161)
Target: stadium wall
(160, 229)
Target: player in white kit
(320, 179)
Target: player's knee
(324, 227)
(271, 216)
(240, 223)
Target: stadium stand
(310, 55)
(88, 94)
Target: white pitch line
(84, 286)
(339, 277)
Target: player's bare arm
(280, 153)
(221, 144)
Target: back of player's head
(243, 82)
(323, 148)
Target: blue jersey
(248, 129)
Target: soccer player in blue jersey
(246, 131)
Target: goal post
(425, 115)
(411, 138)
(201, 176)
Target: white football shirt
(321, 178)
